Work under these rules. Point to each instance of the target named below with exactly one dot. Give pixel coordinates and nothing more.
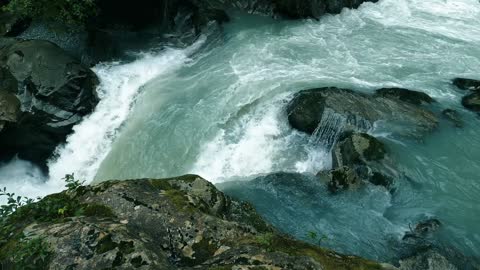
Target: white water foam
(91, 140)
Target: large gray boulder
(55, 92)
(334, 110)
(178, 223)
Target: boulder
(334, 110)
(178, 223)
(357, 149)
(453, 116)
(55, 92)
(9, 108)
(472, 101)
(467, 84)
(409, 96)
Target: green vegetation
(72, 183)
(330, 260)
(34, 253)
(71, 12)
(31, 254)
(313, 236)
(13, 203)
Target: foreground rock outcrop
(177, 223)
(44, 92)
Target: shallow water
(217, 109)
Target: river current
(217, 109)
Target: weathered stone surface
(314, 108)
(409, 96)
(428, 260)
(472, 101)
(55, 92)
(467, 84)
(177, 223)
(357, 149)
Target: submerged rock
(467, 84)
(55, 92)
(409, 96)
(453, 116)
(472, 101)
(424, 228)
(178, 223)
(315, 108)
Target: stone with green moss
(177, 223)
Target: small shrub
(72, 183)
(32, 254)
(13, 202)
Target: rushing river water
(217, 109)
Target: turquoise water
(217, 108)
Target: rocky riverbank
(177, 223)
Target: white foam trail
(261, 143)
(91, 140)
(119, 84)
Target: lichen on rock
(177, 223)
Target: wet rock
(409, 96)
(9, 108)
(380, 179)
(333, 110)
(424, 229)
(427, 260)
(55, 92)
(178, 223)
(472, 101)
(342, 178)
(357, 149)
(453, 116)
(467, 84)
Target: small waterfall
(333, 124)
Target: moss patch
(97, 210)
(329, 259)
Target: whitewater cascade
(220, 112)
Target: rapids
(217, 109)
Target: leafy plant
(71, 12)
(13, 202)
(32, 254)
(72, 183)
(314, 237)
